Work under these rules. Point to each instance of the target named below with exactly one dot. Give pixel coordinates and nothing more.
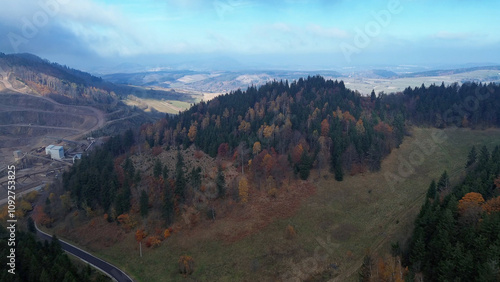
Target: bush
(290, 232)
(186, 265)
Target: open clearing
(335, 227)
(163, 106)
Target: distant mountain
(211, 81)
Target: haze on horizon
(289, 34)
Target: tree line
(457, 232)
(45, 262)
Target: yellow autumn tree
(243, 189)
(359, 126)
(186, 265)
(257, 147)
(268, 131)
(244, 126)
(193, 130)
(206, 121)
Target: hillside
(34, 75)
(334, 227)
(253, 150)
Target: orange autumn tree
(470, 208)
(139, 235)
(41, 217)
(469, 201)
(166, 233)
(153, 241)
(297, 153)
(325, 127)
(492, 205)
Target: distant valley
(207, 84)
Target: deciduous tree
(243, 189)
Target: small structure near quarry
(55, 152)
(18, 155)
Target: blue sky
(292, 33)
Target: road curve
(109, 269)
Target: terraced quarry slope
(26, 119)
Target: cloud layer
(113, 29)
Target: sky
(285, 34)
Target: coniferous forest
(39, 261)
(457, 233)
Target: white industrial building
(55, 152)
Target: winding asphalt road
(109, 269)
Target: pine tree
(431, 192)
(165, 172)
(31, 225)
(444, 181)
(144, 203)
(221, 183)
(180, 179)
(128, 168)
(484, 156)
(471, 158)
(196, 178)
(157, 170)
(168, 205)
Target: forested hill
(271, 135)
(469, 105)
(311, 121)
(68, 85)
(331, 123)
